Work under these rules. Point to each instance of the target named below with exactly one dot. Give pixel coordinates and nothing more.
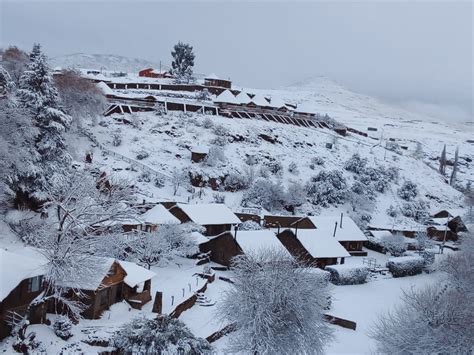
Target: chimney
(340, 225)
(335, 229)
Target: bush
(207, 123)
(235, 181)
(160, 335)
(392, 211)
(249, 226)
(408, 191)
(293, 168)
(418, 210)
(405, 265)
(275, 167)
(393, 244)
(62, 327)
(348, 274)
(264, 193)
(117, 138)
(316, 161)
(216, 155)
(355, 164)
(142, 155)
(327, 188)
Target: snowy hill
(102, 61)
(168, 139)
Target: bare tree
(452, 179)
(15, 61)
(442, 161)
(77, 213)
(276, 305)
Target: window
(34, 284)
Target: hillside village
(175, 180)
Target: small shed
(214, 80)
(312, 249)
(217, 218)
(199, 153)
(137, 284)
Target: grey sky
(404, 51)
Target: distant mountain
(103, 61)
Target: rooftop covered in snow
(135, 273)
(159, 215)
(209, 213)
(321, 245)
(226, 97)
(347, 231)
(15, 268)
(259, 240)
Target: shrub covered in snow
(393, 244)
(316, 161)
(348, 274)
(160, 335)
(117, 138)
(235, 181)
(392, 211)
(216, 156)
(207, 123)
(408, 191)
(294, 196)
(142, 154)
(62, 327)
(405, 265)
(327, 188)
(355, 164)
(293, 168)
(275, 167)
(249, 226)
(264, 193)
(418, 210)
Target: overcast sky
(403, 50)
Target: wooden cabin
(221, 248)
(156, 216)
(214, 80)
(312, 249)
(20, 283)
(199, 154)
(108, 285)
(216, 218)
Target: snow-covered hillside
(102, 61)
(168, 139)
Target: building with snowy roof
(214, 80)
(21, 282)
(156, 216)
(226, 97)
(155, 73)
(254, 241)
(313, 249)
(216, 218)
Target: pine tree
(35, 52)
(6, 84)
(442, 161)
(452, 180)
(39, 96)
(183, 62)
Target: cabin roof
(209, 213)
(348, 232)
(243, 98)
(258, 240)
(226, 96)
(159, 215)
(212, 76)
(104, 88)
(15, 268)
(135, 273)
(321, 246)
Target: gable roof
(212, 76)
(258, 240)
(243, 98)
(226, 96)
(135, 273)
(349, 231)
(159, 215)
(15, 268)
(321, 246)
(209, 213)
(259, 100)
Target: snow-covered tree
(355, 164)
(14, 60)
(327, 188)
(62, 327)
(179, 178)
(294, 196)
(264, 193)
(408, 191)
(38, 94)
(394, 244)
(293, 168)
(183, 62)
(418, 210)
(160, 335)
(249, 226)
(423, 241)
(452, 179)
(276, 305)
(77, 213)
(81, 98)
(442, 161)
(168, 241)
(6, 83)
